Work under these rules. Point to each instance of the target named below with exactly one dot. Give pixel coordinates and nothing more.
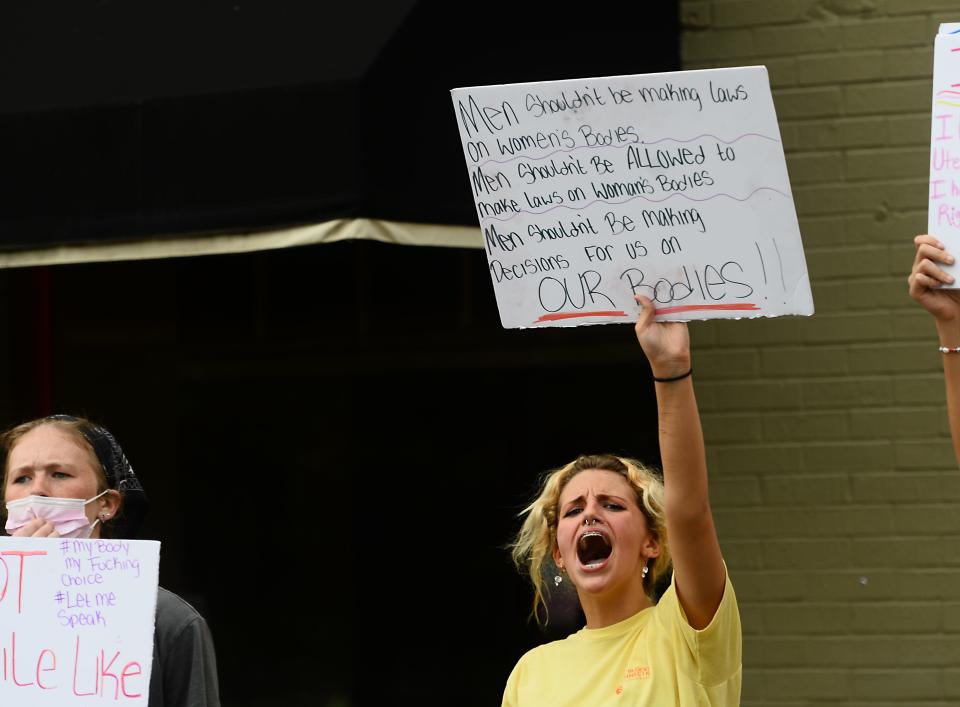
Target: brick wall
(833, 480)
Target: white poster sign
(76, 621)
(671, 185)
(943, 213)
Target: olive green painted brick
(873, 488)
(909, 129)
(695, 14)
(894, 358)
(888, 97)
(742, 555)
(908, 195)
(788, 136)
(899, 252)
(914, 325)
(912, 7)
(817, 425)
(951, 617)
(905, 518)
(951, 683)
(857, 196)
(762, 330)
(805, 360)
(718, 44)
(805, 168)
(766, 586)
(831, 296)
(751, 395)
(881, 585)
(765, 653)
(782, 72)
(736, 491)
(857, 478)
(785, 489)
(840, 133)
(793, 40)
(806, 554)
(839, 393)
(926, 389)
(886, 33)
(951, 550)
(919, 683)
(926, 454)
(745, 13)
(736, 363)
(876, 553)
(723, 427)
(702, 335)
(755, 458)
(883, 226)
(893, 702)
(908, 63)
(849, 455)
(836, 328)
(823, 230)
(939, 18)
(896, 617)
(815, 685)
(923, 519)
(808, 102)
(807, 618)
(875, 293)
(893, 163)
(895, 423)
(846, 67)
(810, 522)
(857, 652)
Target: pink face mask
(68, 515)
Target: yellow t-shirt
(654, 658)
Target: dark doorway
(333, 466)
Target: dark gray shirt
(184, 664)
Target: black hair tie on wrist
(675, 378)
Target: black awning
(122, 120)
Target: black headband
(119, 475)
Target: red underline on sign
(573, 315)
(702, 307)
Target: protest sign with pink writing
(943, 214)
(76, 621)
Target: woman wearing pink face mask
(611, 529)
(66, 477)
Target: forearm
(681, 449)
(699, 574)
(949, 334)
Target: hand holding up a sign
(668, 186)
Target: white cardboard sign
(669, 185)
(76, 621)
(943, 213)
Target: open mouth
(593, 549)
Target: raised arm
(925, 280)
(699, 574)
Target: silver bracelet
(950, 349)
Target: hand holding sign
(669, 186)
(665, 344)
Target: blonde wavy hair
(534, 544)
